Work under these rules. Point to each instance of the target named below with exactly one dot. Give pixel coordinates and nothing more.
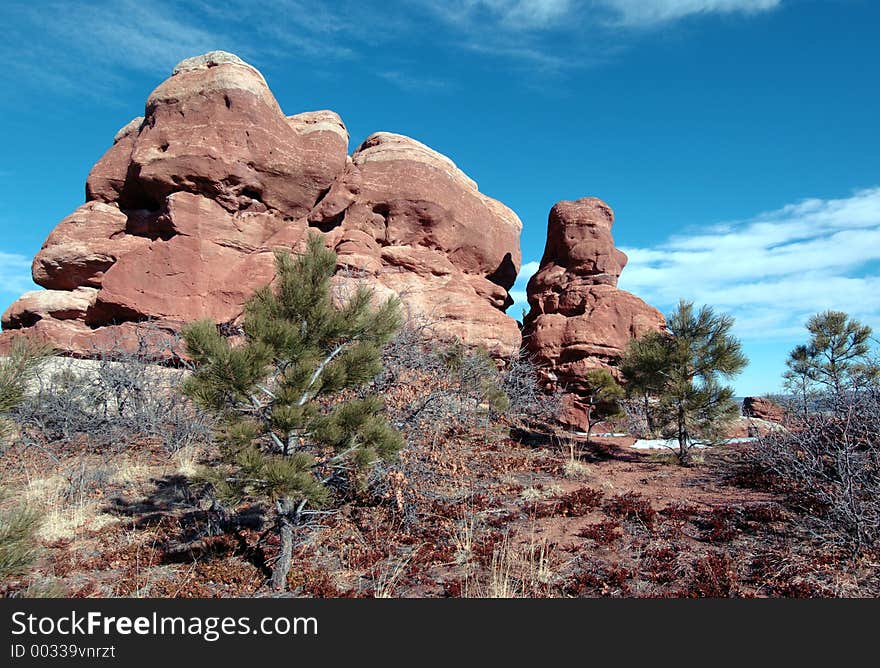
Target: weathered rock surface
(36, 305)
(73, 337)
(185, 209)
(83, 246)
(579, 320)
(763, 409)
(421, 229)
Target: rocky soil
(471, 514)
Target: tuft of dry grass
(540, 493)
(388, 577)
(463, 538)
(518, 569)
(577, 470)
(187, 459)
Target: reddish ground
(470, 515)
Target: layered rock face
(579, 320)
(185, 210)
(763, 409)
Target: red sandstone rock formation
(184, 211)
(763, 409)
(579, 319)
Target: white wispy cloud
(555, 35)
(537, 15)
(124, 33)
(15, 274)
(774, 270)
(638, 13)
(91, 47)
(515, 14)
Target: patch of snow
(672, 444)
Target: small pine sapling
(290, 438)
(17, 370)
(688, 366)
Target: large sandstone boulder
(35, 305)
(186, 208)
(421, 229)
(762, 408)
(215, 129)
(83, 246)
(579, 320)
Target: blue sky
(736, 140)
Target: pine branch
(317, 373)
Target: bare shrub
(529, 404)
(115, 396)
(714, 576)
(454, 386)
(828, 464)
(638, 419)
(437, 391)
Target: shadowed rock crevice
(505, 274)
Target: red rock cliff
(184, 211)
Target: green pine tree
(800, 375)
(836, 355)
(17, 370)
(289, 438)
(602, 397)
(691, 402)
(643, 369)
(18, 525)
(19, 547)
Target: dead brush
(602, 533)
(783, 572)
(113, 399)
(713, 576)
(763, 513)
(598, 578)
(828, 467)
(388, 575)
(660, 563)
(634, 507)
(679, 513)
(721, 524)
(578, 503)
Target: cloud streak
(520, 15)
(537, 15)
(15, 274)
(775, 270)
(92, 47)
(641, 14)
